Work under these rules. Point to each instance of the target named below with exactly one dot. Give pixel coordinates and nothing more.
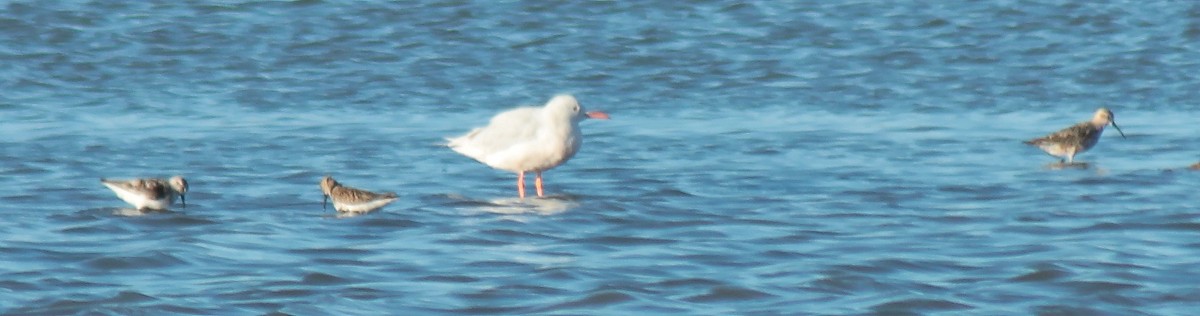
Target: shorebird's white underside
(362, 207)
(140, 200)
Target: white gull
(528, 139)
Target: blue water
(784, 157)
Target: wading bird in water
(528, 139)
(351, 200)
(1078, 138)
(149, 194)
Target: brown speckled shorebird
(149, 194)
(1076, 139)
(351, 200)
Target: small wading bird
(149, 194)
(528, 139)
(351, 200)
(1076, 139)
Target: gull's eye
(576, 109)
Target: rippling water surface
(817, 157)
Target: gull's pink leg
(538, 183)
(521, 184)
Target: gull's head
(1105, 117)
(565, 105)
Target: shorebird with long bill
(149, 194)
(352, 200)
(1077, 138)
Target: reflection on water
(1068, 165)
(133, 212)
(349, 214)
(1077, 166)
(548, 205)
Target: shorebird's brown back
(347, 194)
(1074, 135)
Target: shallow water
(807, 158)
